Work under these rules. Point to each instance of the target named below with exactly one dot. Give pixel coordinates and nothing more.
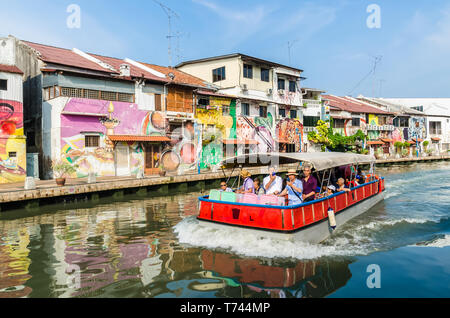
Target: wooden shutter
(158, 103)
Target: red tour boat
(309, 222)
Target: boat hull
(314, 233)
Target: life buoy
(332, 218)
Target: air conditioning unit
(281, 92)
(269, 91)
(244, 87)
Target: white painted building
(437, 112)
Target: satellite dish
(171, 76)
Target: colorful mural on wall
(291, 131)
(216, 127)
(119, 118)
(259, 129)
(377, 134)
(12, 142)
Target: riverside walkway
(47, 192)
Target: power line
(377, 60)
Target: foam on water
(350, 241)
(441, 242)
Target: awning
(319, 160)
(240, 142)
(436, 139)
(386, 140)
(375, 143)
(139, 138)
(283, 141)
(420, 140)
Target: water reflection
(128, 249)
(264, 278)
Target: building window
(263, 111)
(292, 86)
(435, 128)
(245, 109)
(339, 123)
(310, 121)
(290, 148)
(91, 141)
(356, 122)
(419, 108)
(158, 102)
(203, 102)
(265, 77)
(382, 121)
(225, 110)
(281, 84)
(248, 71)
(219, 74)
(293, 114)
(282, 112)
(12, 155)
(3, 85)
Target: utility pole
(170, 15)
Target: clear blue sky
(333, 44)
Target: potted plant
(425, 145)
(61, 170)
(398, 145)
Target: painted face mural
(12, 143)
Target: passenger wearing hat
(294, 189)
(248, 186)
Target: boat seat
(228, 197)
(268, 200)
(215, 195)
(250, 198)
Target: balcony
(312, 102)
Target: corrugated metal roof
(55, 55)
(10, 69)
(353, 106)
(139, 138)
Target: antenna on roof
(170, 15)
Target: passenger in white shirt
(273, 183)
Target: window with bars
(356, 122)
(339, 123)
(72, 92)
(91, 141)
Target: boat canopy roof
(318, 160)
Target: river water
(156, 248)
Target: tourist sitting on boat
(341, 185)
(224, 187)
(309, 183)
(360, 177)
(294, 188)
(248, 186)
(258, 189)
(273, 184)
